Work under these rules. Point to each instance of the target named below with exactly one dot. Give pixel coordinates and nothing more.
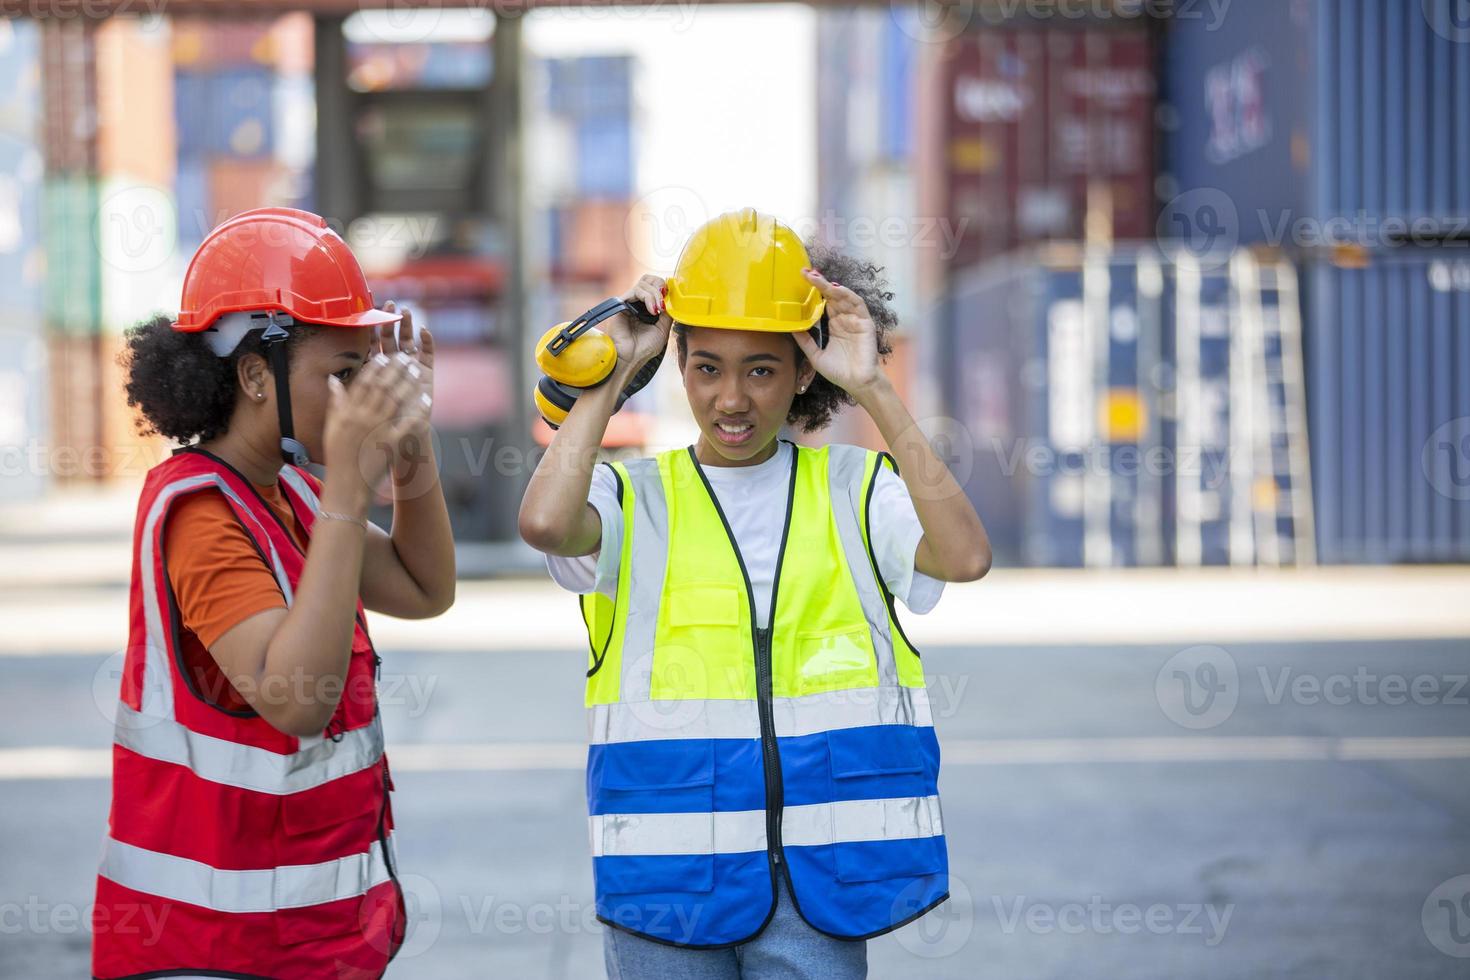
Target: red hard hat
(277, 259)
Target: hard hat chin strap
(274, 340)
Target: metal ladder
(1270, 462)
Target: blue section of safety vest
(706, 900)
(857, 889)
(874, 762)
(676, 775)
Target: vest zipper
(761, 637)
(775, 798)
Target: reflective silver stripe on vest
(303, 489)
(318, 760)
(649, 562)
(263, 890)
(158, 689)
(741, 831)
(845, 471)
(637, 721)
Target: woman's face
(740, 385)
(329, 350)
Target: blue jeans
(787, 949)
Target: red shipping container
(237, 185)
(1035, 126)
(69, 94)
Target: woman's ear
(254, 377)
(805, 372)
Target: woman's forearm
(305, 666)
(554, 516)
(955, 547)
(422, 536)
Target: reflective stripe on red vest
(233, 847)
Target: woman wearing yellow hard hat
(762, 769)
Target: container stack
(22, 262)
(1039, 131)
(244, 103)
(588, 225)
(107, 145)
(1338, 132)
(867, 202)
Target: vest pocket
(655, 828)
(699, 650)
(884, 825)
(830, 660)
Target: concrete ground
(1090, 834)
(1219, 773)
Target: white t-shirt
(754, 501)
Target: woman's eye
(343, 375)
(756, 372)
(706, 368)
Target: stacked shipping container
(1044, 132)
(244, 106)
(22, 260)
(1339, 130)
(589, 225)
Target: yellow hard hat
(742, 271)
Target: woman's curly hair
(813, 409)
(182, 389)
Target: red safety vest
(235, 849)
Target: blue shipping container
(1031, 387)
(1388, 383)
(1322, 122)
(228, 113)
(605, 157)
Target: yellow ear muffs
(554, 400)
(576, 353)
(576, 356)
(581, 361)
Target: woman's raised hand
(850, 359)
(635, 341)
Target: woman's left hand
(850, 359)
(395, 340)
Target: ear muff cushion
(554, 400)
(584, 362)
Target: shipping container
(73, 264)
(22, 168)
(1044, 133)
(1112, 407)
(1318, 123)
(230, 111)
(69, 93)
(605, 157)
(590, 87)
(1388, 377)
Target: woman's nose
(732, 397)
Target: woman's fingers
(404, 329)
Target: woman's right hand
(635, 341)
(367, 420)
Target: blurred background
(1184, 302)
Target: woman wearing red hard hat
(251, 833)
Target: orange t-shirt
(218, 577)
